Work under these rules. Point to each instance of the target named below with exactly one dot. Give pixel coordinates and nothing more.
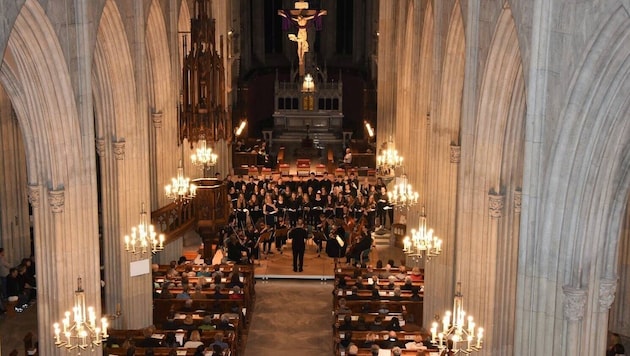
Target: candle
(441, 336)
(479, 337)
(434, 332)
(469, 342)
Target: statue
(301, 18)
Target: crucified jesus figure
(301, 38)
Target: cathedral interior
(509, 113)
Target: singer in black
(299, 236)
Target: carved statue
(302, 37)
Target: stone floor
(14, 328)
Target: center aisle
(291, 318)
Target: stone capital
(34, 195)
(156, 117)
(574, 303)
(56, 200)
(607, 289)
(456, 153)
(496, 202)
(119, 149)
(518, 196)
(100, 146)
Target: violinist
(322, 230)
(280, 235)
(253, 236)
(364, 243)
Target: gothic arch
(443, 128)
(584, 211)
(488, 230)
(121, 140)
(36, 78)
(161, 89)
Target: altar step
(382, 237)
(321, 138)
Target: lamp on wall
(143, 237)
(458, 330)
(79, 330)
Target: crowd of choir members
(198, 310)
(377, 309)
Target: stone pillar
(607, 289)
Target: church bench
(141, 351)
(359, 337)
(119, 336)
(163, 307)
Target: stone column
(574, 304)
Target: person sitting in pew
(375, 350)
(217, 293)
(235, 280)
(198, 294)
(391, 341)
(360, 325)
(224, 324)
(148, 340)
(346, 324)
(166, 294)
(377, 325)
(375, 293)
(170, 340)
(207, 323)
(170, 323)
(415, 296)
(194, 341)
(218, 341)
(236, 293)
(370, 340)
(408, 284)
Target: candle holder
(458, 331)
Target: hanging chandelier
(180, 188)
(78, 330)
(403, 195)
(143, 237)
(458, 331)
(422, 242)
(203, 156)
(388, 160)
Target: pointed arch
(59, 158)
(583, 212)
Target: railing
(208, 210)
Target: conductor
(299, 236)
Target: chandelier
(144, 236)
(79, 329)
(388, 160)
(458, 331)
(180, 188)
(203, 156)
(403, 195)
(422, 242)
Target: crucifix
(301, 15)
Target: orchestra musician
(280, 234)
(363, 243)
(322, 230)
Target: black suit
(299, 236)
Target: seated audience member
(217, 350)
(391, 341)
(353, 350)
(377, 325)
(14, 289)
(224, 324)
(236, 293)
(342, 308)
(198, 294)
(170, 323)
(189, 323)
(207, 323)
(346, 324)
(148, 340)
(217, 293)
(382, 309)
(194, 341)
(370, 340)
(200, 351)
(397, 294)
(416, 344)
(354, 294)
(408, 284)
(394, 324)
(416, 275)
(218, 341)
(392, 282)
(375, 350)
(188, 306)
(235, 280)
(204, 272)
(396, 351)
(360, 325)
(184, 294)
(345, 341)
(131, 351)
(170, 340)
(415, 296)
(165, 293)
(375, 294)
(614, 345)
